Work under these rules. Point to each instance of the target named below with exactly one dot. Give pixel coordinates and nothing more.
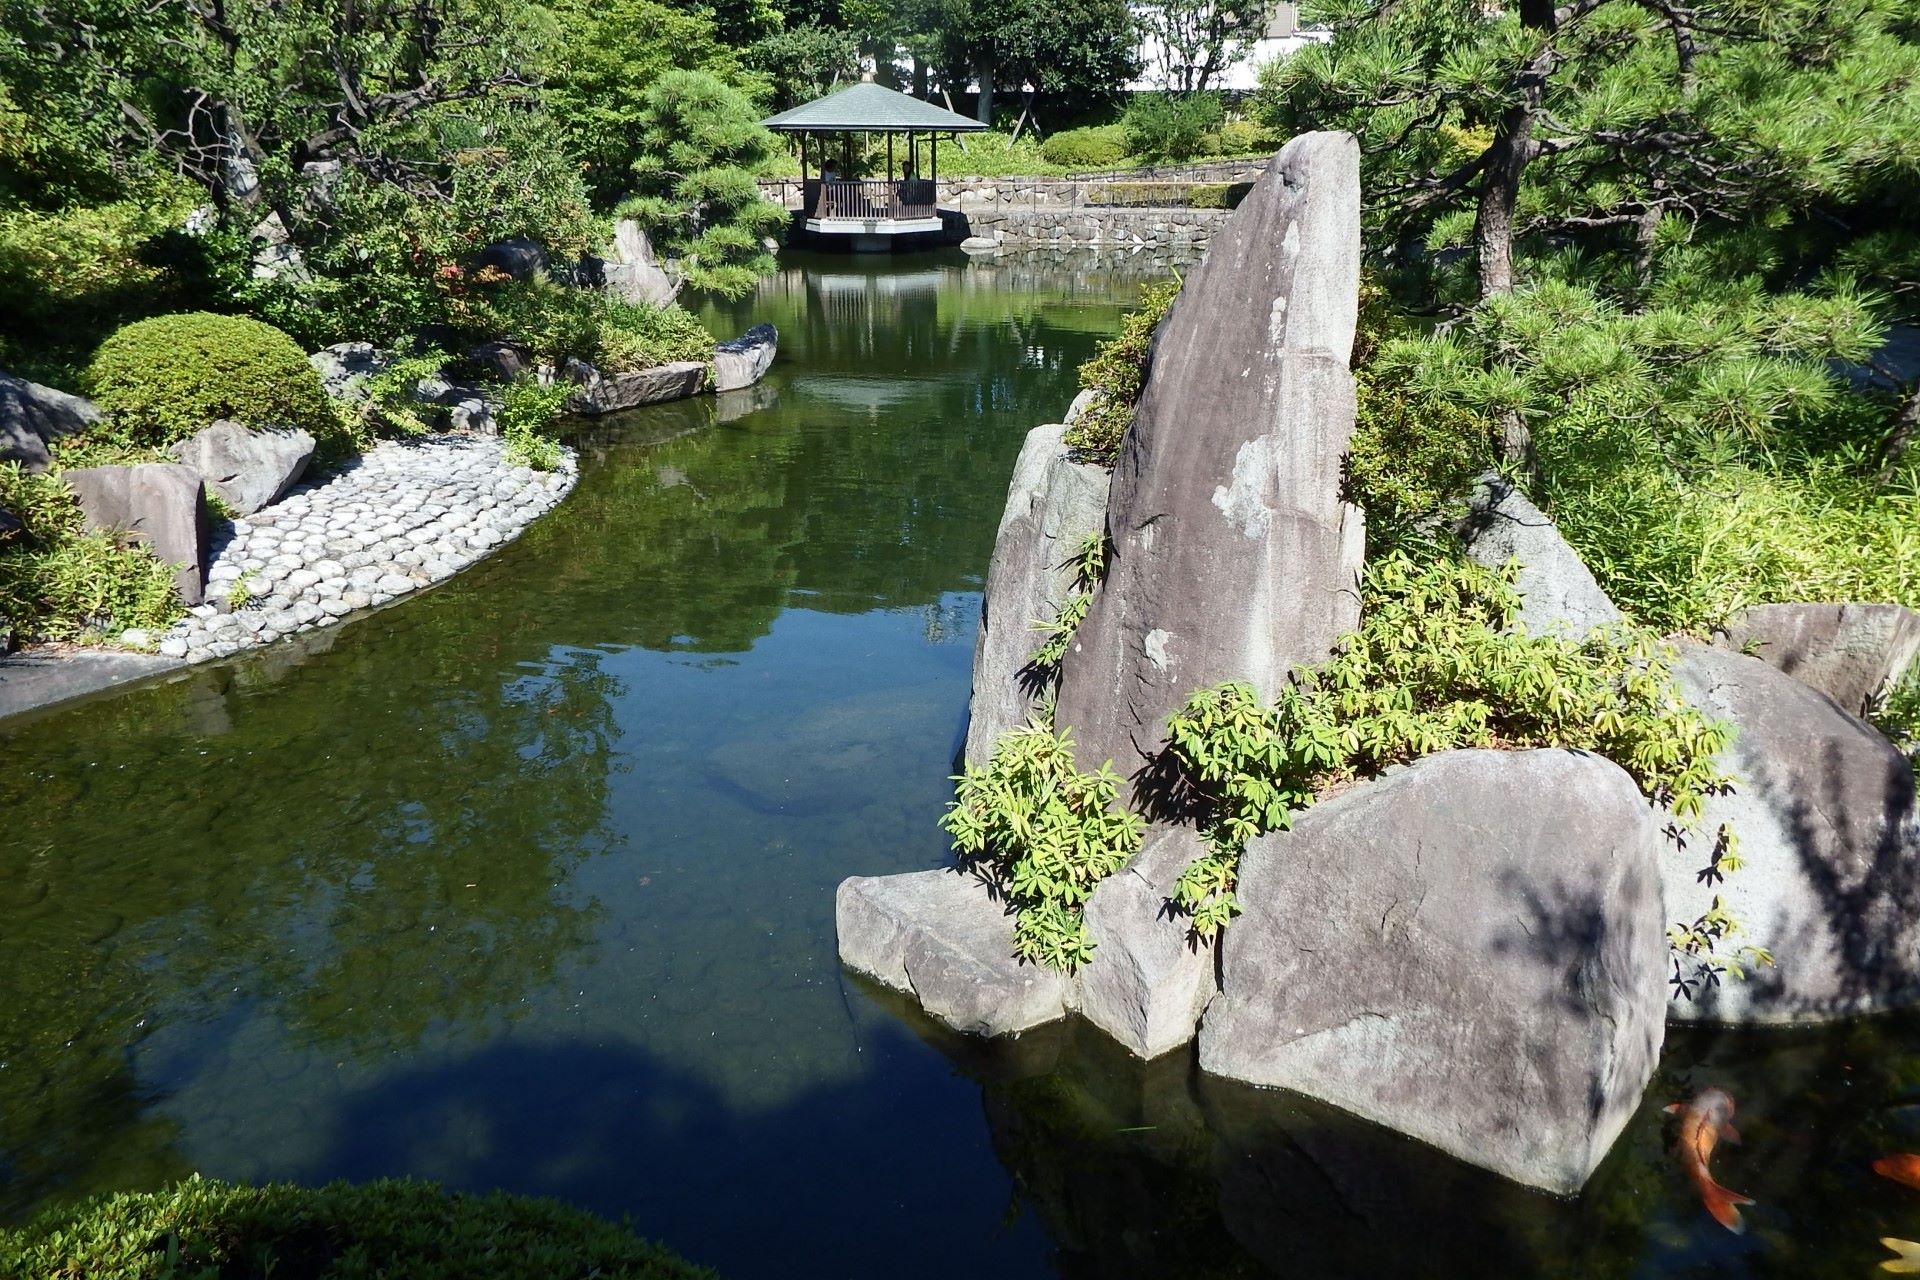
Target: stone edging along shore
(405, 515)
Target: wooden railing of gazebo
(868, 199)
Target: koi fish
(1904, 1169)
(1706, 1120)
(1908, 1261)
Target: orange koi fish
(1706, 1120)
(1901, 1168)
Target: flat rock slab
(34, 681)
(247, 468)
(599, 393)
(1233, 556)
(1823, 807)
(746, 359)
(1149, 980)
(1853, 653)
(940, 936)
(1558, 594)
(1053, 503)
(1470, 950)
(161, 504)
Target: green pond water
(528, 882)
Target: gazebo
(840, 207)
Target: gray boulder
(631, 272)
(1081, 402)
(1823, 808)
(346, 367)
(1558, 594)
(159, 503)
(520, 258)
(596, 393)
(942, 937)
(746, 359)
(503, 360)
(1149, 979)
(247, 468)
(33, 416)
(1469, 950)
(1853, 653)
(1052, 505)
(275, 256)
(1233, 555)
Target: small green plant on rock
(1433, 667)
(1090, 565)
(1116, 374)
(1046, 834)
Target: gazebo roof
(870, 108)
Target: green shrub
(1165, 126)
(1435, 667)
(1242, 138)
(1046, 834)
(1217, 195)
(164, 379)
(202, 1228)
(526, 423)
(1117, 372)
(58, 582)
(1092, 148)
(555, 321)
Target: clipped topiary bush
(387, 1228)
(163, 379)
(1091, 148)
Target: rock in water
(1823, 807)
(1853, 653)
(1233, 557)
(940, 936)
(33, 416)
(1558, 595)
(1149, 978)
(159, 503)
(248, 468)
(1470, 950)
(599, 393)
(1052, 505)
(745, 360)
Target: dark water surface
(528, 882)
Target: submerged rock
(1149, 979)
(1853, 653)
(1233, 556)
(1558, 594)
(746, 359)
(33, 416)
(1823, 808)
(159, 503)
(1053, 504)
(943, 937)
(1470, 950)
(247, 468)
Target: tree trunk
(1905, 423)
(919, 78)
(983, 109)
(1513, 148)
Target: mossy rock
(163, 379)
(225, 1231)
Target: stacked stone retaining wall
(1101, 228)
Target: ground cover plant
(205, 1228)
(59, 582)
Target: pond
(528, 882)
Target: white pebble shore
(410, 514)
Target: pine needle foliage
(1045, 834)
(1437, 664)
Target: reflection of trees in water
(367, 867)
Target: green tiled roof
(870, 108)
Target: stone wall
(1105, 228)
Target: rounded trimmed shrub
(387, 1228)
(1086, 148)
(163, 379)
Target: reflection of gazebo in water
(840, 209)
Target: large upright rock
(33, 416)
(941, 937)
(161, 504)
(1853, 653)
(247, 468)
(631, 271)
(1234, 557)
(1558, 594)
(1052, 505)
(1470, 950)
(1823, 808)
